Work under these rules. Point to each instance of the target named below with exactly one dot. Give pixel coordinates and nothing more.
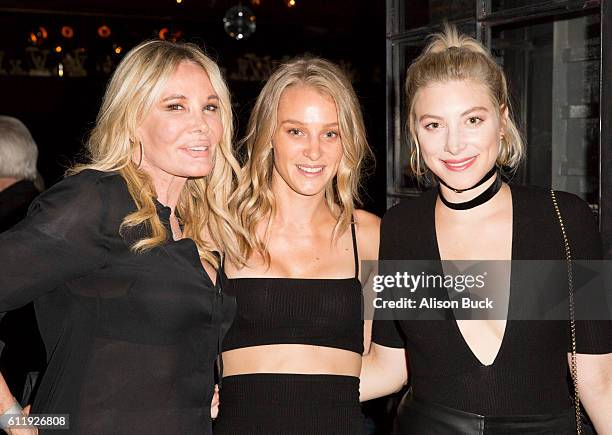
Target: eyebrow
(293, 121)
(182, 97)
(473, 109)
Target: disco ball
(239, 22)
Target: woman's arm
(384, 371)
(593, 338)
(6, 397)
(595, 388)
(63, 237)
(368, 239)
(6, 401)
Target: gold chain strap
(570, 284)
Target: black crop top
(318, 311)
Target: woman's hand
(26, 430)
(214, 405)
(384, 371)
(6, 401)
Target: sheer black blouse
(530, 373)
(131, 339)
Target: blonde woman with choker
(497, 376)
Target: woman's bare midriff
(291, 358)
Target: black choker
(486, 177)
(480, 199)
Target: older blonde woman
(120, 256)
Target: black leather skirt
(418, 417)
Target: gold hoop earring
(141, 154)
(415, 162)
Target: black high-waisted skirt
(289, 404)
(419, 417)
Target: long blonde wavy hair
(453, 56)
(254, 201)
(133, 89)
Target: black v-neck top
(530, 372)
(131, 338)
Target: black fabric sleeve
(387, 332)
(63, 237)
(594, 336)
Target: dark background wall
(60, 111)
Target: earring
(415, 161)
(141, 154)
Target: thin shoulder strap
(355, 251)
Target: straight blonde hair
(133, 89)
(253, 201)
(452, 56)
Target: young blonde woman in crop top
(293, 356)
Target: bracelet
(14, 409)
